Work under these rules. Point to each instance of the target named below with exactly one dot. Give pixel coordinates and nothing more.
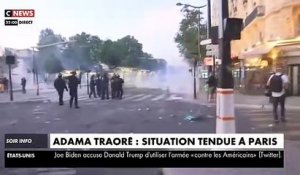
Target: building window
(298, 26)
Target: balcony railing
(257, 12)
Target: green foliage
(85, 51)
(187, 36)
(53, 65)
(47, 37)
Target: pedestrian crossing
(132, 97)
(262, 121)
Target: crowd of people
(99, 87)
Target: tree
(53, 65)
(83, 51)
(46, 53)
(187, 37)
(111, 53)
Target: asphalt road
(141, 111)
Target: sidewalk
(247, 101)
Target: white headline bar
(167, 141)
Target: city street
(141, 111)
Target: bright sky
(153, 22)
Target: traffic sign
(212, 50)
(211, 47)
(205, 42)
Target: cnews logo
(18, 13)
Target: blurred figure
(99, 85)
(212, 85)
(105, 82)
(73, 87)
(119, 86)
(92, 87)
(23, 84)
(113, 85)
(5, 83)
(60, 86)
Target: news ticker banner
(144, 150)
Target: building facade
(270, 38)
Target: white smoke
(176, 79)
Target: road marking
(134, 96)
(160, 97)
(257, 119)
(174, 97)
(143, 98)
(125, 96)
(260, 114)
(39, 113)
(280, 125)
(292, 133)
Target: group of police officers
(99, 85)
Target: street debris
(192, 119)
(188, 118)
(160, 118)
(147, 109)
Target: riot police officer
(119, 86)
(92, 87)
(113, 85)
(105, 83)
(73, 87)
(60, 86)
(99, 85)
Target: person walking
(60, 86)
(105, 83)
(5, 83)
(212, 85)
(92, 87)
(23, 84)
(73, 87)
(278, 84)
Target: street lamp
(199, 38)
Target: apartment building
(270, 38)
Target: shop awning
(258, 51)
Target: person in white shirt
(278, 84)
